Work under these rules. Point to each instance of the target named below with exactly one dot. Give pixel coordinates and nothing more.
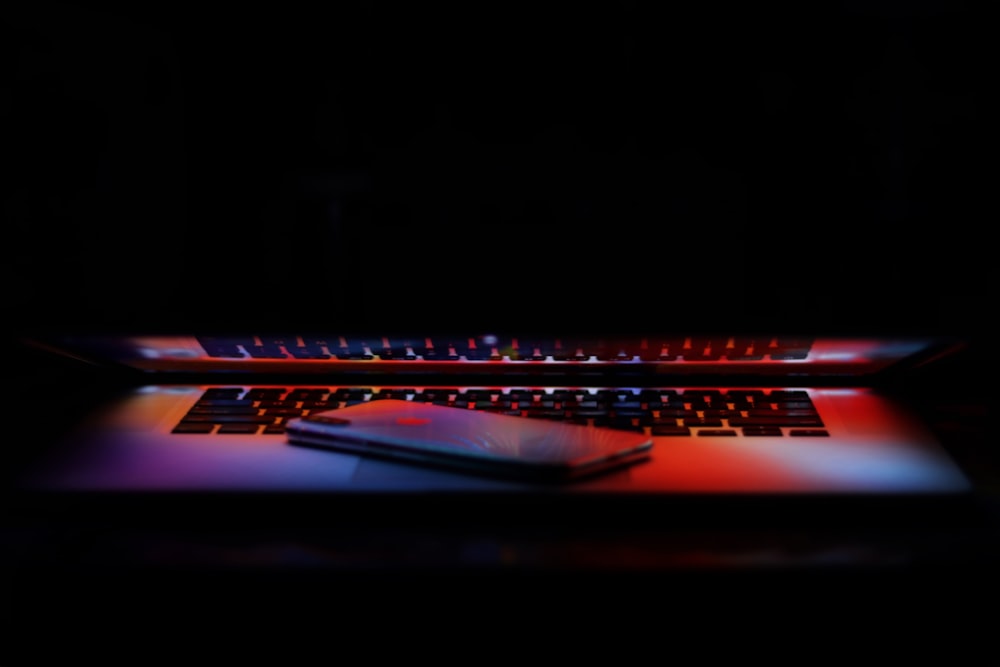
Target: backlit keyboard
(496, 348)
(656, 411)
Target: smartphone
(471, 440)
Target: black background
(382, 165)
(807, 167)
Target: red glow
(413, 421)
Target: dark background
(622, 166)
(804, 167)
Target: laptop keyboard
(496, 348)
(654, 411)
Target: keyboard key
(352, 348)
(702, 394)
(263, 394)
(673, 413)
(239, 428)
(436, 394)
(398, 394)
(283, 412)
(702, 422)
(351, 394)
(716, 413)
(266, 352)
(781, 413)
(546, 414)
(619, 423)
(212, 410)
(307, 394)
(790, 355)
(789, 348)
(193, 427)
(788, 395)
(670, 430)
(223, 347)
(760, 431)
(277, 404)
(788, 405)
(651, 396)
(226, 403)
(744, 394)
(222, 393)
(744, 349)
(308, 352)
(591, 414)
(227, 419)
(317, 406)
(775, 421)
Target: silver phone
(471, 440)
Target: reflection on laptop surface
(726, 414)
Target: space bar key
(775, 421)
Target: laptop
(759, 313)
(253, 216)
(764, 416)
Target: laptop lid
(776, 359)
